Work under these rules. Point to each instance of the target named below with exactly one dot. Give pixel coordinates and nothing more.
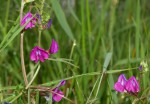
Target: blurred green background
(86, 31)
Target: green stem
(39, 41)
(21, 48)
(33, 77)
(16, 97)
(72, 49)
(40, 25)
(6, 17)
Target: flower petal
(49, 23)
(132, 85)
(32, 54)
(54, 47)
(38, 53)
(122, 79)
(118, 87)
(25, 19)
(57, 96)
(61, 83)
(47, 98)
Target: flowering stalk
(40, 29)
(21, 48)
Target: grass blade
(61, 18)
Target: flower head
(25, 19)
(143, 66)
(132, 85)
(120, 84)
(56, 93)
(45, 23)
(38, 53)
(54, 47)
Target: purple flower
(49, 23)
(39, 18)
(132, 85)
(25, 19)
(54, 47)
(120, 84)
(38, 53)
(140, 67)
(57, 95)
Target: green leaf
(107, 61)
(61, 18)
(11, 35)
(37, 97)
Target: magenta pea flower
(57, 94)
(120, 84)
(132, 85)
(25, 19)
(54, 47)
(38, 53)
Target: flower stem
(40, 25)
(21, 48)
(33, 77)
(39, 40)
(16, 97)
(22, 60)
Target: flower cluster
(123, 85)
(40, 54)
(37, 53)
(56, 93)
(42, 22)
(33, 20)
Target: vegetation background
(104, 38)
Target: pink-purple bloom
(54, 47)
(25, 19)
(120, 84)
(38, 53)
(124, 85)
(57, 94)
(132, 85)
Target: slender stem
(33, 77)
(16, 97)
(72, 49)
(39, 40)
(22, 60)
(21, 48)
(40, 25)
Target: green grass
(98, 40)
